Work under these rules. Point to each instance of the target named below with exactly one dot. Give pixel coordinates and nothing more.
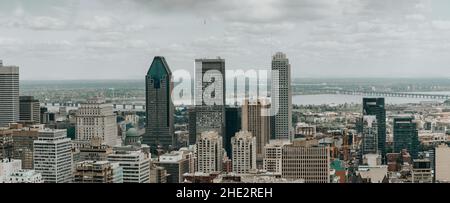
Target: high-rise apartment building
(281, 96)
(53, 156)
(159, 105)
(9, 94)
(209, 152)
(244, 152)
(95, 118)
(257, 122)
(30, 110)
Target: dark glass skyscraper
(159, 105)
(192, 115)
(406, 136)
(375, 107)
(29, 109)
(233, 123)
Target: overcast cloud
(104, 39)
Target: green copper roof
(132, 132)
(337, 165)
(159, 68)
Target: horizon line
(312, 77)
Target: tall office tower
(23, 140)
(192, 126)
(233, 122)
(135, 164)
(210, 82)
(442, 163)
(244, 152)
(258, 123)
(210, 96)
(98, 172)
(376, 107)
(273, 157)
(53, 156)
(307, 162)
(29, 110)
(281, 96)
(209, 152)
(95, 118)
(176, 164)
(159, 105)
(369, 135)
(96, 150)
(9, 94)
(6, 143)
(406, 136)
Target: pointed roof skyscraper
(159, 105)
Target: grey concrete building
(53, 156)
(9, 94)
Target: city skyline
(342, 38)
(226, 118)
(327, 143)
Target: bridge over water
(395, 94)
(140, 105)
(116, 106)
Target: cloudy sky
(117, 39)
